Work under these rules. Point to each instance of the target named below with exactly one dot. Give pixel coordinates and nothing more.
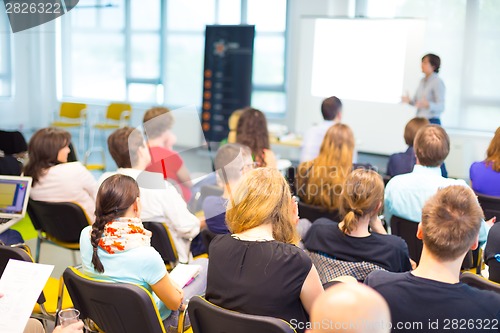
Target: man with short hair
(231, 162)
(350, 307)
(431, 298)
(157, 123)
(160, 200)
(406, 194)
(331, 109)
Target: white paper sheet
(183, 273)
(21, 284)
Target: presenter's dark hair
(116, 194)
(331, 107)
(434, 60)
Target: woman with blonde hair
(485, 175)
(54, 178)
(257, 269)
(351, 240)
(319, 181)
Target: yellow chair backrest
(72, 110)
(115, 111)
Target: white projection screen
(369, 64)
(363, 59)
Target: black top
(447, 307)
(260, 278)
(387, 251)
(492, 252)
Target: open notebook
(182, 274)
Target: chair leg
(73, 252)
(38, 246)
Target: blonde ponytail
(362, 192)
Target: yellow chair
(117, 116)
(73, 115)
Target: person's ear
(137, 207)
(379, 207)
(419, 231)
(475, 245)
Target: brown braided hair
(116, 194)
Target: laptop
(14, 195)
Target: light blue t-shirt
(142, 265)
(405, 195)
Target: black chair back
(162, 242)
(196, 203)
(206, 237)
(12, 142)
(312, 213)
(61, 221)
(114, 307)
(479, 282)
(490, 205)
(407, 230)
(8, 252)
(493, 270)
(210, 318)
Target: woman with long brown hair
(118, 248)
(485, 175)
(257, 269)
(351, 240)
(54, 178)
(252, 132)
(319, 182)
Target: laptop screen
(14, 193)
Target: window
(470, 65)
(5, 58)
(151, 51)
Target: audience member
(252, 132)
(352, 308)
(319, 181)
(160, 200)
(331, 109)
(431, 298)
(400, 163)
(257, 269)
(485, 175)
(351, 240)
(233, 126)
(55, 179)
(492, 253)
(406, 194)
(231, 162)
(157, 124)
(117, 248)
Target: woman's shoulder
(391, 241)
(69, 167)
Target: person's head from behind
(350, 307)
(231, 162)
(450, 225)
(262, 196)
(431, 145)
(493, 152)
(331, 108)
(338, 144)
(412, 127)
(128, 149)
(252, 132)
(158, 122)
(118, 196)
(362, 195)
(47, 147)
(431, 63)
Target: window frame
(7, 50)
(163, 34)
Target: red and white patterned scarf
(124, 233)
